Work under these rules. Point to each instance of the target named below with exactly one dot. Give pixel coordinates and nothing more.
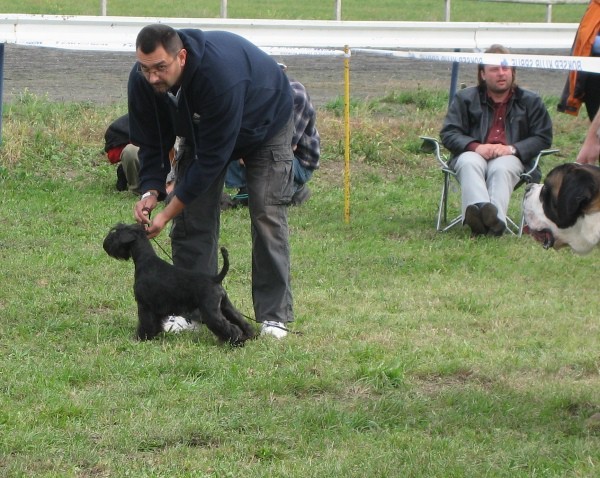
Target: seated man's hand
(487, 151)
(492, 151)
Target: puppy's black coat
(162, 289)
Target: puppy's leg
(149, 325)
(235, 317)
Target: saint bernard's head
(565, 210)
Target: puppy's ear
(576, 192)
(128, 235)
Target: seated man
(493, 131)
(118, 149)
(307, 150)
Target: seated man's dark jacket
(528, 125)
(233, 98)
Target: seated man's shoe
(301, 195)
(474, 221)
(121, 179)
(489, 216)
(273, 328)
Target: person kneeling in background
(119, 150)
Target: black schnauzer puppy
(162, 289)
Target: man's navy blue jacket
(233, 97)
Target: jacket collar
(195, 46)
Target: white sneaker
(276, 329)
(176, 324)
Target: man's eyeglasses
(157, 70)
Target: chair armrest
(526, 176)
(432, 145)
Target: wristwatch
(148, 194)
(513, 151)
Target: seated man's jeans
(301, 174)
(235, 178)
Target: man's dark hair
(152, 36)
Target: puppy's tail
(221, 275)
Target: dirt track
(101, 77)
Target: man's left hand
(156, 225)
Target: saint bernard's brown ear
(578, 189)
(550, 191)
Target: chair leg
(443, 224)
(456, 221)
(442, 215)
(522, 225)
(441, 209)
(446, 192)
(511, 226)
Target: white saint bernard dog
(565, 210)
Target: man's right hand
(590, 149)
(589, 152)
(144, 207)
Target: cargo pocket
(178, 227)
(280, 181)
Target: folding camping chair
(432, 145)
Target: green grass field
(400, 10)
(419, 355)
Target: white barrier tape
(548, 62)
(285, 51)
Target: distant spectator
(582, 86)
(118, 149)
